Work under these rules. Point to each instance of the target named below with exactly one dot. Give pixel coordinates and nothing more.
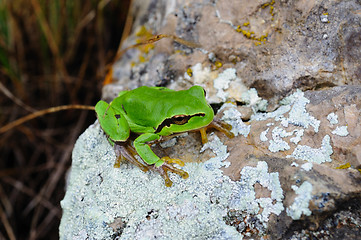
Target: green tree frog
(152, 112)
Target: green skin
(153, 112)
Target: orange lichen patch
(109, 76)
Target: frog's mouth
(178, 120)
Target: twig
(29, 117)
(16, 100)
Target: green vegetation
(52, 53)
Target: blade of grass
(48, 189)
(6, 224)
(53, 46)
(28, 191)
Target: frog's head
(190, 112)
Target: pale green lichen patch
(199, 75)
(217, 148)
(233, 117)
(263, 135)
(245, 199)
(219, 86)
(315, 155)
(298, 115)
(332, 118)
(307, 166)
(301, 202)
(295, 106)
(276, 143)
(252, 99)
(196, 207)
(299, 133)
(277, 114)
(293, 112)
(221, 83)
(340, 131)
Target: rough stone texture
(302, 50)
(293, 169)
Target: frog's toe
(180, 172)
(218, 125)
(173, 160)
(163, 171)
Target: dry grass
(52, 53)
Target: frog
(152, 113)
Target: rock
(260, 190)
(293, 98)
(301, 49)
(302, 146)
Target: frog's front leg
(218, 125)
(161, 165)
(144, 150)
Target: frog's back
(145, 107)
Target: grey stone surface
(293, 169)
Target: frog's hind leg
(126, 151)
(167, 166)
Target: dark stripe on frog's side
(176, 120)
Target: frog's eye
(180, 119)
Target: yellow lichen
(142, 58)
(251, 34)
(344, 166)
(190, 72)
(218, 64)
(271, 10)
(142, 35)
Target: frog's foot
(167, 166)
(126, 151)
(220, 126)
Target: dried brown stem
(29, 117)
